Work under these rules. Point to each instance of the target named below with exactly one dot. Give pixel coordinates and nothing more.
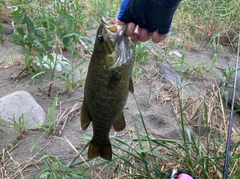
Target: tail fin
(104, 151)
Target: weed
(19, 126)
(2, 32)
(200, 153)
(99, 8)
(54, 168)
(70, 74)
(226, 79)
(227, 75)
(140, 51)
(1, 121)
(185, 67)
(49, 126)
(41, 28)
(216, 20)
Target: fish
(107, 85)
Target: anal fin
(120, 124)
(85, 120)
(131, 88)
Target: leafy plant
(1, 121)
(19, 126)
(49, 126)
(215, 20)
(1, 32)
(227, 77)
(140, 52)
(54, 168)
(41, 28)
(185, 67)
(200, 153)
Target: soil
(156, 94)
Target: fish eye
(100, 38)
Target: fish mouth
(110, 25)
(121, 53)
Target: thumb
(118, 22)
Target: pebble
(7, 29)
(21, 103)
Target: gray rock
(21, 103)
(6, 29)
(168, 72)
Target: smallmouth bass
(109, 79)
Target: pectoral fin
(85, 120)
(131, 88)
(120, 124)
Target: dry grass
(12, 168)
(212, 117)
(5, 14)
(216, 21)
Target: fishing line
(225, 171)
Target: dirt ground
(155, 93)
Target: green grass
(216, 21)
(200, 152)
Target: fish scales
(106, 88)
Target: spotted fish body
(107, 85)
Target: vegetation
(46, 28)
(215, 21)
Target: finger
(134, 38)
(156, 37)
(163, 36)
(149, 35)
(118, 22)
(130, 29)
(143, 34)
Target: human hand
(141, 34)
(147, 20)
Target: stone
(21, 103)
(7, 29)
(168, 72)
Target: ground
(155, 92)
